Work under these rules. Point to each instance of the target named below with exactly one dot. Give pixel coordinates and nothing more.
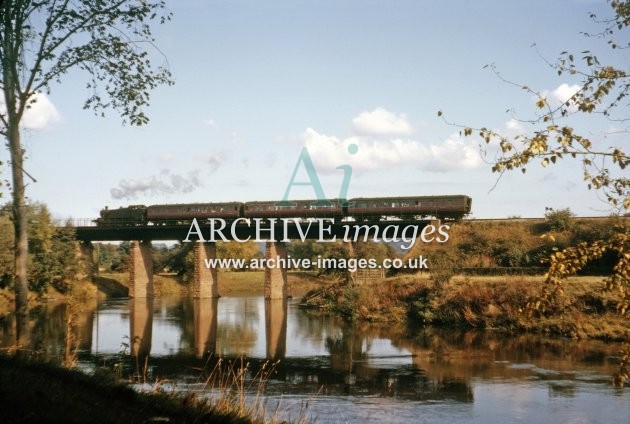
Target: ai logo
(313, 179)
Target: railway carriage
(373, 208)
(293, 209)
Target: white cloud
(209, 123)
(41, 114)
(564, 92)
(559, 95)
(164, 183)
(514, 125)
(328, 152)
(381, 122)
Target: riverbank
(39, 392)
(231, 284)
(492, 303)
(112, 285)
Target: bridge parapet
(282, 231)
(75, 222)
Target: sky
(257, 81)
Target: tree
(233, 250)
(41, 41)
(51, 250)
(603, 91)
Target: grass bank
(81, 291)
(253, 283)
(499, 303)
(229, 283)
(39, 392)
(111, 285)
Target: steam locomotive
(450, 207)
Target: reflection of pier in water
(205, 313)
(206, 328)
(140, 327)
(349, 369)
(276, 328)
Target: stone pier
(276, 283)
(205, 279)
(140, 269)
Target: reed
(233, 387)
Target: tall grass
(234, 389)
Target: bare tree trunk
(14, 109)
(21, 238)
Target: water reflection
(238, 327)
(360, 367)
(85, 324)
(140, 327)
(276, 328)
(205, 312)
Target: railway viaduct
(205, 279)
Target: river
(345, 373)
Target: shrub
(442, 265)
(559, 219)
